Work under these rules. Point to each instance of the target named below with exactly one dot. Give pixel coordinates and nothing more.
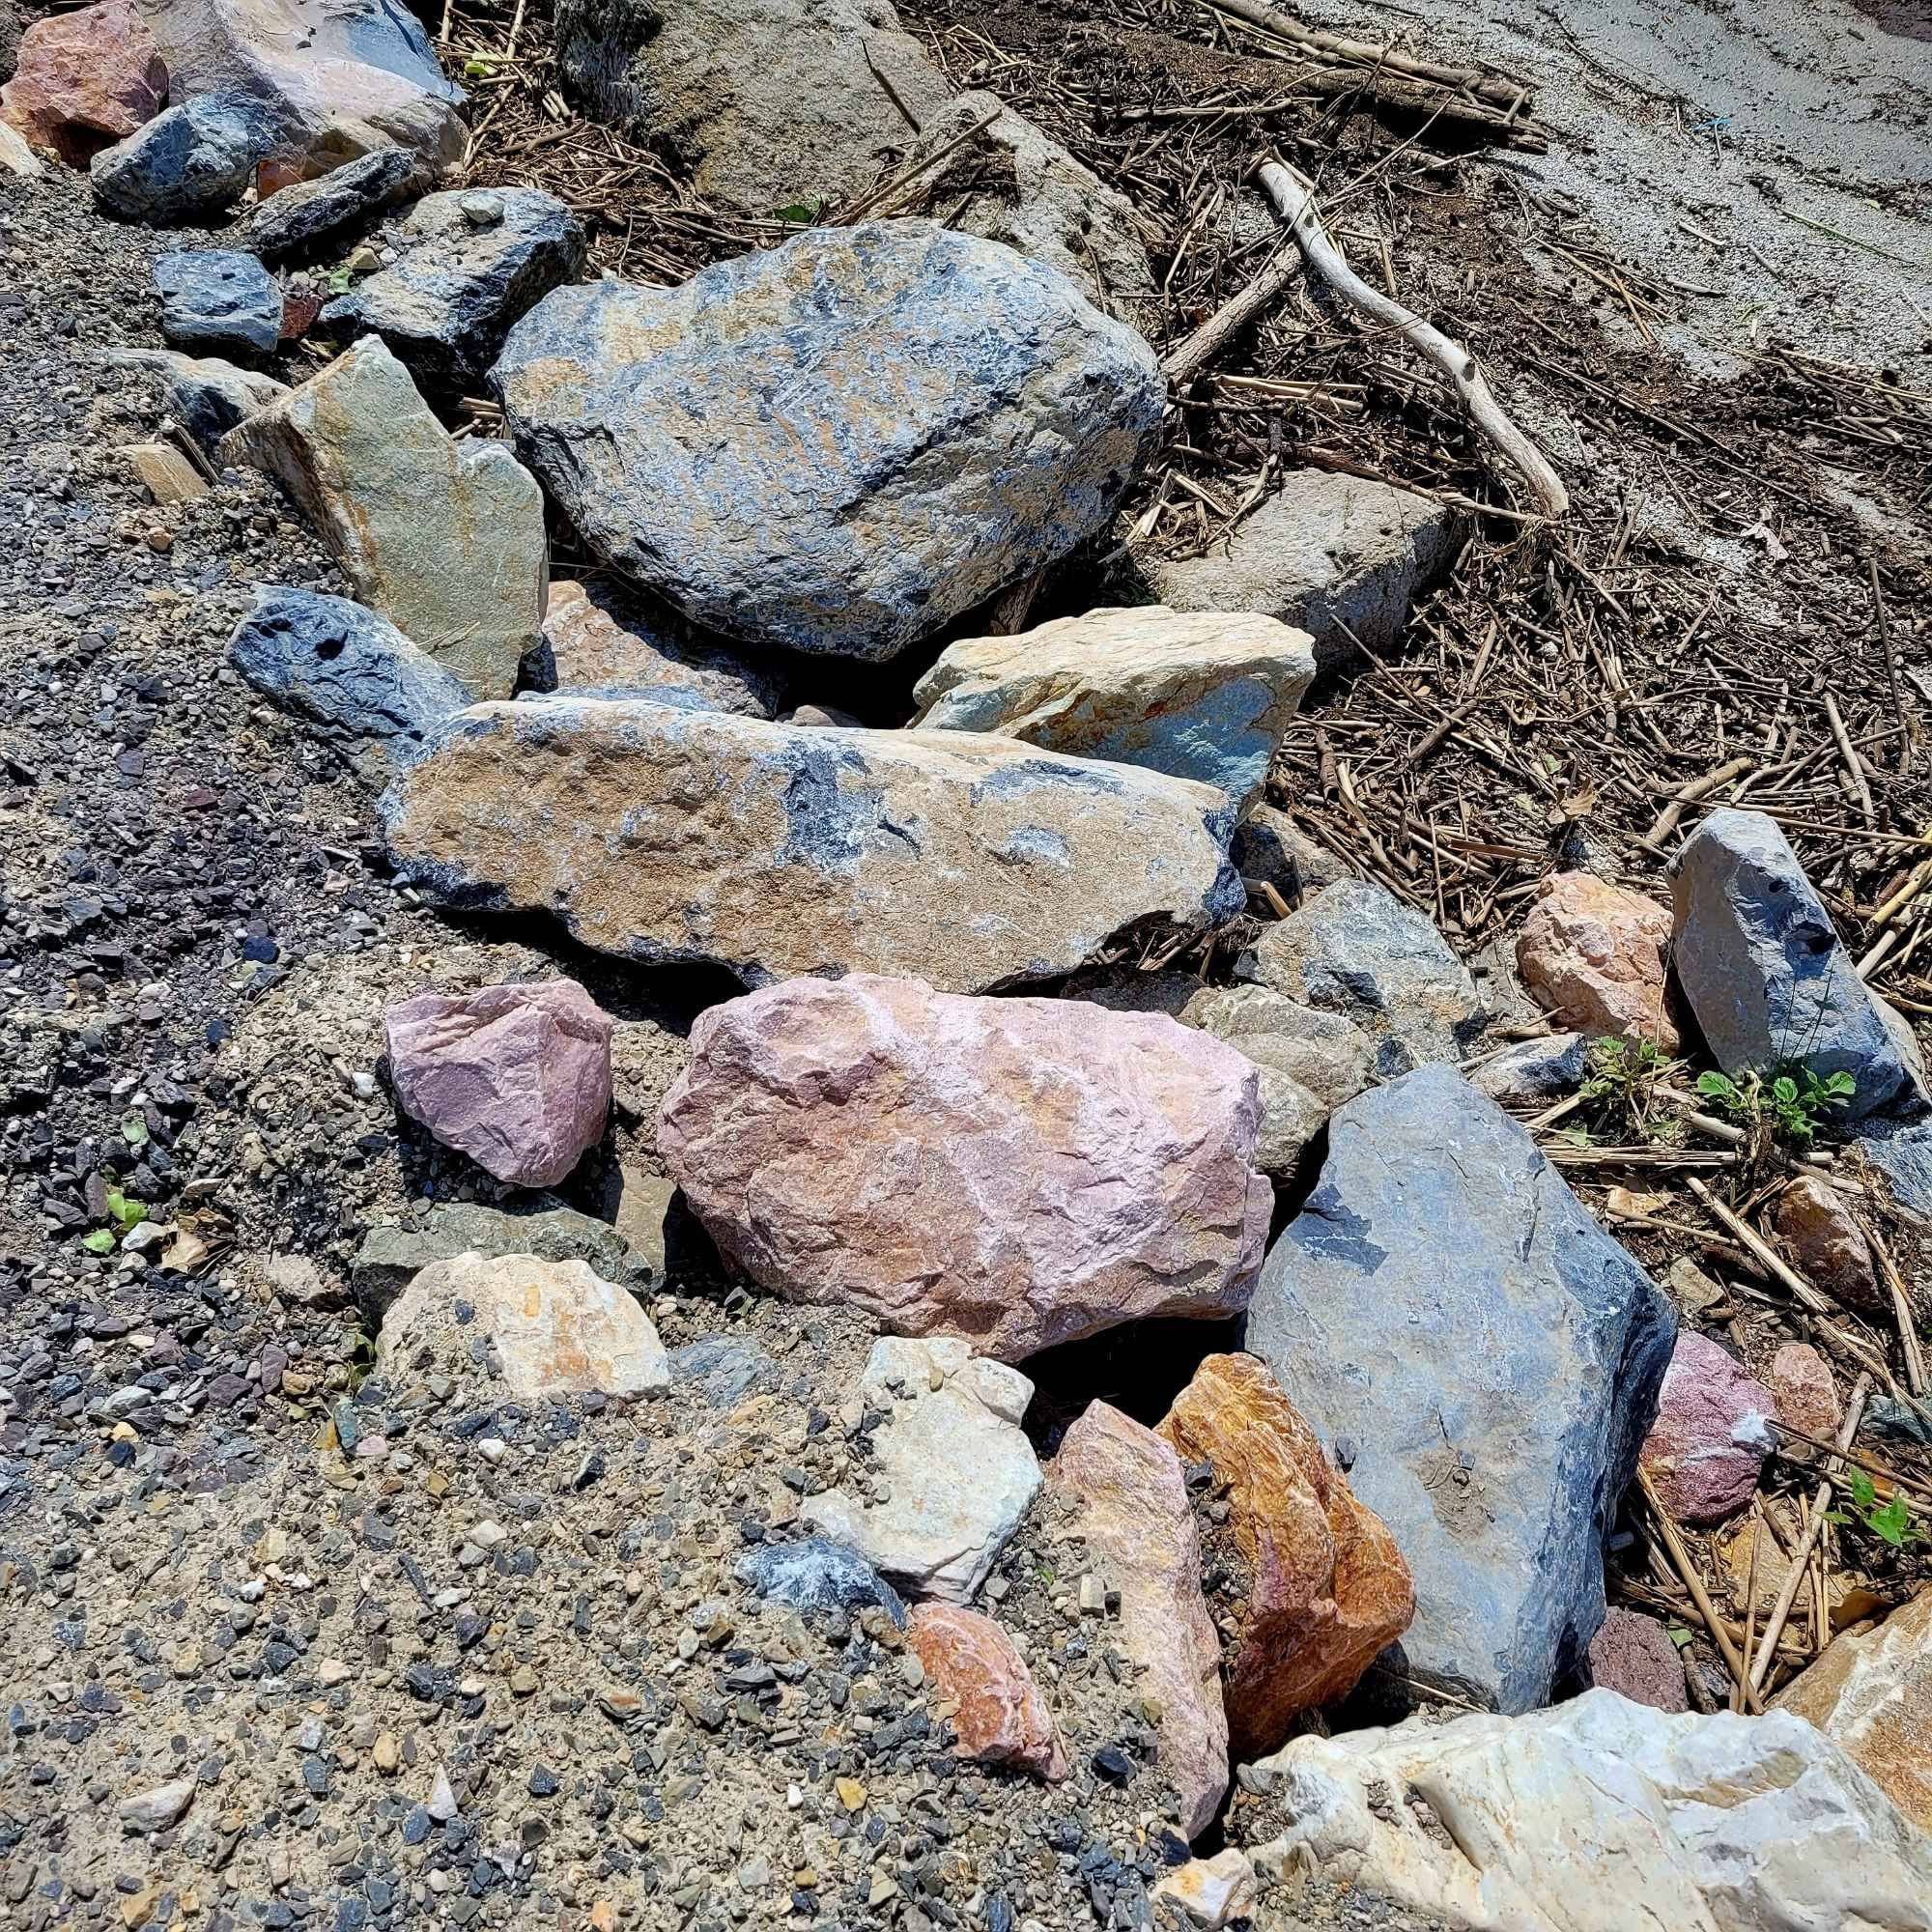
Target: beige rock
(1596, 957)
(602, 639)
(1825, 1244)
(166, 474)
(1210, 1892)
(15, 156)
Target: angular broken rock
(1596, 957)
(218, 298)
(604, 642)
(1635, 1657)
(518, 1077)
(1197, 696)
(1328, 1589)
(1799, 1381)
(953, 418)
(955, 1469)
(188, 165)
(155, 1809)
(313, 218)
(545, 1328)
(1001, 1718)
(1533, 1072)
(667, 834)
(84, 79)
(1018, 1172)
(1712, 1432)
(1210, 1892)
(1268, 845)
(1822, 1236)
(1124, 1495)
(206, 395)
(1493, 1404)
(813, 1573)
(391, 1256)
(445, 539)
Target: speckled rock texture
(1269, 845)
(1487, 1409)
(85, 79)
(218, 299)
(603, 641)
(1635, 1657)
(1818, 1231)
(1210, 1892)
(1016, 1172)
(391, 1256)
(445, 539)
(672, 833)
(205, 395)
(1712, 1432)
(1799, 1381)
(953, 417)
(1597, 955)
(1205, 697)
(1533, 1072)
(816, 1574)
(190, 164)
(309, 219)
(1001, 1718)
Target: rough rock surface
(218, 298)
(315, 217)
(1767, 977)
(391, 1255)
(813, 1573)
(1210, 1892)
(955, 1467)
(189, 164)
(1197, 696)
(205, 395)
(1001, 1718)
(954, 417)
(549, 1328)
(1635, 1657)
(16, 157)
(1493, 1408)
(1125, 1496)
(1327, 1588)
(85, 79)
(518, 1077)
(1712, 1432)
(1533, 1072)
(445, 539)
(676, 834)
(603, 641)
(1269, 845)
(1901, 1154)
(1826, 1245)
(1017, 1171)
(1596, 955)
(1600, 1815)
(1799, 1381)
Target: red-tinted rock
(1825, 1244)
(1710, 1435)
(517, 1077)
(1635, 1657)
(1808, 1397)
(85, 80)
(1001, 1718)
(1595, 956)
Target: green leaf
(100, 1243)
(1716, 1087)
(1784, 1091)
(1892, 1523)
(801, 212)
(1679, 1636)
(1840, 1086)
(134, 1130)
(1863, 1494)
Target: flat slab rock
(314, 218)
(1016, 1172)
(218, 298)
(838, 445)
(662, 834)
(390, 1256)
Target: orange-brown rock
(85, 80)
(1825, 1244)
(1595, 956)
(1001, 1718)
(1328, 1587)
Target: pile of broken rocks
(846, 1649)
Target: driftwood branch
(1182, 365)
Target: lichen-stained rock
(1001, 1718)
(1205, 697)
(1596, 955)
(836, 446)
(603, 641)
(1016, 1172)
(1326, 1588)
(1125, 1496)
(668, 834)
(1712, 1432)
(445, 539)
(84, 80)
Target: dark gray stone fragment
(218, 298)
(190, 164)
(320, 216)
(817, 1573)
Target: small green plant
(1791, 1105)
(1891, 1523)
(126, 1213)
(1621, 1076)
(800, 214)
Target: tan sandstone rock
(1001, 1718)
(1596, 957)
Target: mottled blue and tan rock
(1199, 696)
(604, 642)
(205, 394)
(667, 834)
(314, 218)
(445, 538)
(840, 444)
(187, 167)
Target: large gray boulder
(188, 165)
(1767, 976)
(1483, 1359)
(218, 298)
(838, 445)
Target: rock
(1210, 1892)
(1123, 1493)
(822, 714)
(207, 396)
(1601, 1814)
(957, 1469)
(690, 835)
(954, 418)
(1635, 1657)
(1018, 1172)
(603, 643)
(1816, 1226)
(165, 472)
(329, 660)
(1329, 1588)
(1871, 1695)
(1900, 1151)
(391, 1255)
(644, 1203)
(518, 1077)
(1804, 1391)
(15, 156)
(1767, 977)
(84, 79)
(1533, 1072)
(444, 539)
(218, 298)
(1355, 950)
(723, 1370)
(1712, 1432)
(1269, 846)
(548, 1328)
(1204, 698)
(1595, 956)
(1001, 1718)
(155, 1809)
(310, 219)
(770, 103)
(814, 1574)
(1487, 1409)
(470, 265)
(1324, 552)
(188, 165)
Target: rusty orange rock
(1595, 956)
(85, 80)
(1001, 1718)
(1825, 1244)
(1327, 1587)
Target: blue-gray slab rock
(469, 264)
(1902, 1152)
(1767, 977)
(838, 445)
(190, 164)
(218, 298)
(324, 215)
(819, 1575)
(205, 395)
(391, 1255)
(723, 1370)
(1533, 1071)
(1483, 1360)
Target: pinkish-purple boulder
(1712, 1432)
(1015, 1172)
(516, 1077)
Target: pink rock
(85, 80)
(1001, 1718)
(1126, 1498)
(1635, 1657)
(517, 1077)
(1014, 1172)
(1710, 1435)
(1595, 956)
(1808, 1397)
